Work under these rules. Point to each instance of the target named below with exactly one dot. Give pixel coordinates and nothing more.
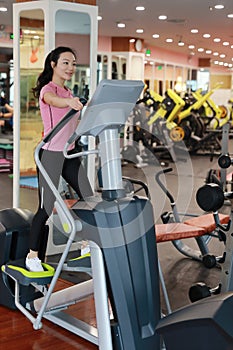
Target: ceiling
(182, 16)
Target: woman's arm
(61, 102)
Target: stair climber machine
(120, 230)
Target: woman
(55, 100)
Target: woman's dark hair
(46, 76)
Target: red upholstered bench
(176, 230)
(194, 227)
(207, 222)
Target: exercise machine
(212, 226)
(121, 233)
(211, 197)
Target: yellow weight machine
(217, 115)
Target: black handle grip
(83, 100)
(63, 122)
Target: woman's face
(66, 66)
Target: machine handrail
(165, 190)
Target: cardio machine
(121, 234)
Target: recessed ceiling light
(169, 40)
(155, 36)
(226, 43)
(132, 40)
(191, 47)
(231, 46)
(217, 40)
(215, 53)
(230, 65)
(139, 31)
(180, 43)
(140, 8)
(230, 15)
(194, 31)
(162, 17)
(208, 52)
(3, 9)
(200, 49)
(219, 7)
(121, 25)
(225, 64)
(99, 18)
(206, 36)
(215, 62)
(220, 63)
(222, 55)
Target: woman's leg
(52, 162)
(76, 176)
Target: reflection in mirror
(31, 64)
(118, 67)
(102, 67)
(73, 29)
(192, 80)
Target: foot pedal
(81, 261)
(17, 270)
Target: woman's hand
(75, 103)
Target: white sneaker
(34, 264)
(85, 250)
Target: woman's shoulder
(50, 86)
(47, 88)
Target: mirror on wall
(31, 64)
(73, 29)
(102, 67)
(191, 79)
(118, 67)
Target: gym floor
(179, 271)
